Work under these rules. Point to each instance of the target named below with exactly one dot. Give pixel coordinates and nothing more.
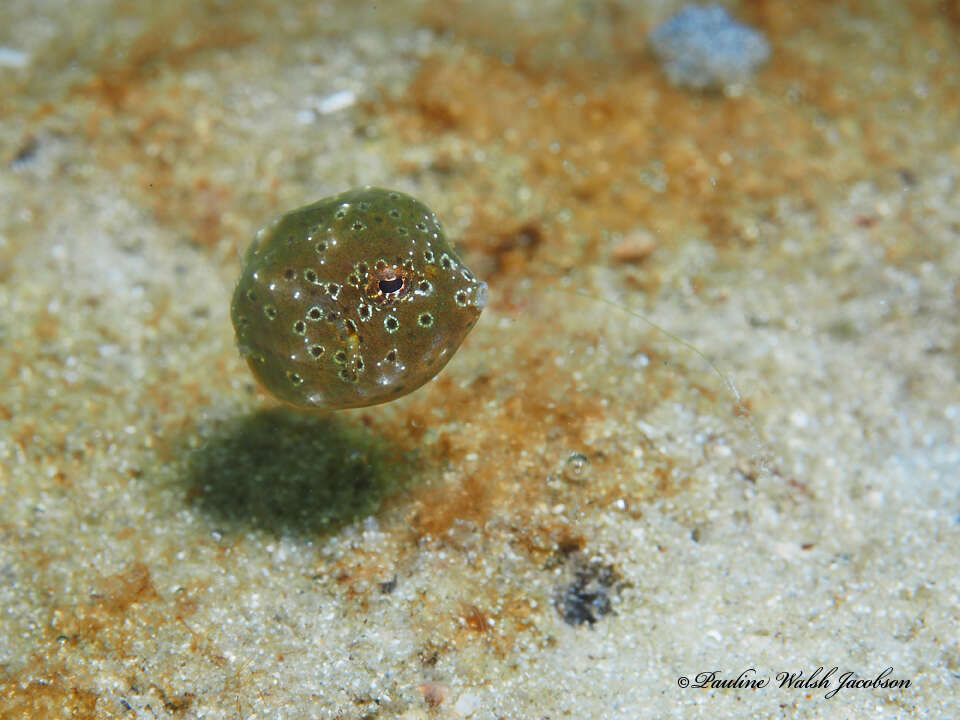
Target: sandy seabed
(578, 517)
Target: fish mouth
(481, 295)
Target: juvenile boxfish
(354, 300)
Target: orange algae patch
(502, 467)
(140, 115)
(50, 697)
(504, 434)
(619, 149)
(606, 145)
(51, 685)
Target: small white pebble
(467, 705)
(340, 100)
(10, 58)
(800, 419)
(786, 550)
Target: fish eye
(390, 285)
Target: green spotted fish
(355, 300)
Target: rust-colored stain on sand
(607, 145)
